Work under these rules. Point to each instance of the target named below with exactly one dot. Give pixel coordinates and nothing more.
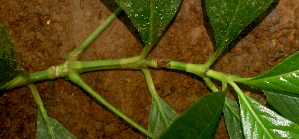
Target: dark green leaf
(9, 67)
(198, 121)
(229, 17)
(286, 103)
(156, 122)
(42, 131)
(259, 122)
(150, 17)
(232, 119)
(283, 77)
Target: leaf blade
(229, 17)
(42, 129)
(232, 122)
(286, 103)
(283, 77)
(150, 17)
(9, 67)
(156, 123)
(260, 122)
(199, 120)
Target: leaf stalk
(75, 78)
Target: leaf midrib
(151, 28)
(279, 75)
(209, 125)
(230, 25)
(232, 111)
(254, 114)
(241, 95)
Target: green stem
(177, 65)
(75, 78)
(42, 108)
(86, 66)
(42, 75)
(223, 77)
(213, 58)
(18, 81)
(224, 85)
(151, 63)
(154, 94)
(198, 69)
(145, 51)
(247, 104)
(216, 75)
(77, 52)
(134, 62)
(210, 84)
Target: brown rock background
(44, 31)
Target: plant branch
(198, 69)
(222, 76)
(18, 81)
(135, 62)
(46, 74)
(77, 52)
(154, 94)
(124, 63)
(75, 78)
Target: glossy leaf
(229, 17)
(232, 119)
(283, 77)
(199, 120)
(156, 122)
(259, 122)
(286, 103)
(150, 17)
(9, 67)
(42, 130)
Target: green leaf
(42, 129)
(150, 17)
(283, 77)
(9, 67)
(232, 119)
(156, 123)
(229, 17)
(286, 103)
(198, 121)
(259, 122)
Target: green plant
(254, 119)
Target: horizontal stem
(198, 69)
(134, 62)
(177, 65)
(18, 81)
(86, 66)
(222, 76)
(42, 75)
